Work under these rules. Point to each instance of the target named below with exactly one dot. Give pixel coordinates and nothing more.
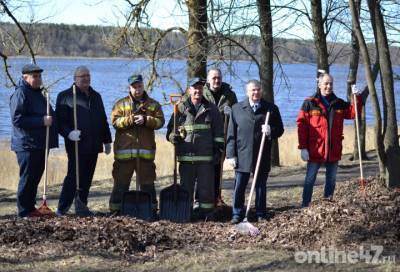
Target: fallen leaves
(349, 220)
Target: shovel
(137, 203)
(44, 209)
(81, 208)
(175, 201)
(246, 227)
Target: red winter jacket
(320, 129)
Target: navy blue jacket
(244, 135)
(92, 121)
(28, 107)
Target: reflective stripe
(125, 107)
(194, 158)
(121, 120)
(127, 154)
(197, 127)
(219, 139)
(206, 205)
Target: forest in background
(59, 40)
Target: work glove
(107, 148)
(74, 135)
(304, 155)
(232, 162)
(355, 90)
(47, 120)
(175, 138)
(266, 129)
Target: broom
(246, 227)
(44, 209)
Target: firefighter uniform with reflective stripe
(201, 130)
(134, 142)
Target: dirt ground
(354, 232)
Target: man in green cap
(200, 137)
(135, 117)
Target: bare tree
(386, 139)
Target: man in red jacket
(320, 133)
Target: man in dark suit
(245, 130)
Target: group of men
(210, 123)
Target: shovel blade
(137, 204)
(175, 204)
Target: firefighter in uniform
(198, 141)
(135, 117)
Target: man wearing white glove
(92, 135)
(320, 134)
(245, 131)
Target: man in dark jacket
(246, 126)
(220, 94)
(200, 136)
(28, 107)
(320, 133)
(92, 133)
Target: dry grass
(289, 155)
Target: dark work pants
(217, 184)
(87, 165)
(31, 167)
(241, 180)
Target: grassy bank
(289, 156)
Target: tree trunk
(351, 79)
(266, 70)
(197, 39)
(317, 24)
(371, 87)
(390, 138)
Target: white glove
(266, 129)
(74, 135)
(355, 90)
(304, 155)
(107, 148)
(232, 161)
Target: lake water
(109, 78)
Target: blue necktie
(255, 106)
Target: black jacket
(244, 135)
(92, 120)
(28, 107)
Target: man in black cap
(28, 107)
(135, 118)
(200, 136)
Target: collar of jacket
(262, 104)
(188, 105)
(317, 98)
(22, 83)
(80, 92)
(144, 97)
